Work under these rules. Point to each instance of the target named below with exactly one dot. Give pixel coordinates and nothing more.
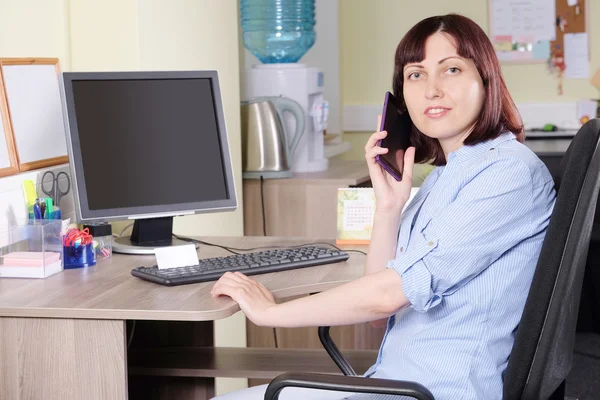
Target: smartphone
(398, 127)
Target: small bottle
(102, 234)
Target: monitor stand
(147, 235)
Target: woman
(451, 273)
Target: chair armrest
(346, 384)
(334, 352)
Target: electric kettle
(265, 149)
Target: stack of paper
(30, 264)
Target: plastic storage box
(102, 234)
(31, 249)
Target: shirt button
(430, 243)
(401, 249)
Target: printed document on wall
(576, 56)
(523, 21)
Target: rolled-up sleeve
(489, 216)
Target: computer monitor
(147, 146)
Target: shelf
(240, 362)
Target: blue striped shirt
(467, 248)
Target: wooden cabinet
(303, 206)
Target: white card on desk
(176, 256)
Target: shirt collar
(470, 152)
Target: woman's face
(444, 93)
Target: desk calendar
(355, 211)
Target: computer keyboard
(211, 269)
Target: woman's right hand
(390, 195)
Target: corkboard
(525, 52)
(575, 23)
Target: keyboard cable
(264, 224)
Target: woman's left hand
(254, 299)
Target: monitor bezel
(83, 213)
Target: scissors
(55, 192)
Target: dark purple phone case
(389, 168)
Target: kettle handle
(284, 104)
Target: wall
(371, 30)
(87, 35)
(34, 28)
(103, 35)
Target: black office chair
(542, 353)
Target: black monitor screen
(148, 142)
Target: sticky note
(503, 46)
(176, 256)
(30, 258)
(541, 50)
(30, 192)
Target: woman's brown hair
(498, 114)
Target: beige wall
(34, 28)
(370, 31)
(91, 35)
(103, 35)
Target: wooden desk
(65, 337)
(548, 147)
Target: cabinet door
(8, 155)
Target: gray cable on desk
(262, 205)
(123, 230)
(264, 222)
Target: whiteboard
(34, 101)
(4, 158)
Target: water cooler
(304, 85)
(279, 33)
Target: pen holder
(79, 256)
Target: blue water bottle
(278, 31)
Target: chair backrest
(542, 353)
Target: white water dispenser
(305, 85)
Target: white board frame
(7, 141)
(23, 130)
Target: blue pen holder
(79, 256)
